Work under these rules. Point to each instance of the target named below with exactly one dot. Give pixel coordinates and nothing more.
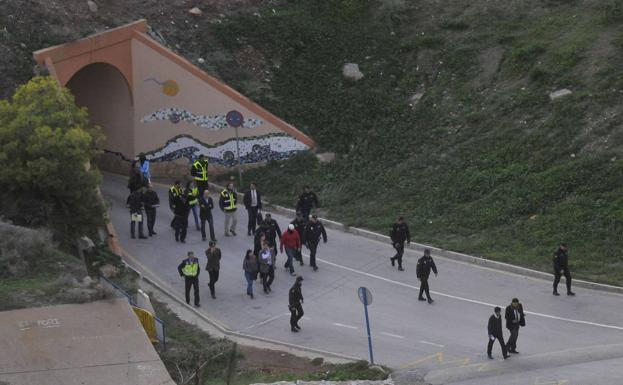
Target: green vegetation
(46, 145)
(485, 162)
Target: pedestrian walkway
(406, 332)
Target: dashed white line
(271, 319)
(345, 326)
(431, 343)
(392, 335)
(466, 299)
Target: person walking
(514, 320)
(250, 268)
(273, 231)
(199, 172)
(206, 204)
(561, 265)
(189, 269)
(192, 195)
(253, 203)
(180, 219)
(143, 165)
(292, 242)
(399, 234)
(174, 192)
(267, 266)
(306, 202)
(152, 202)
(136, 179)
(213, 266)
(311, 236)
(299, 225)
(494, 329)
(227, 203)
(295, 304)
(260, 237)
(422, 271)
(135, 204)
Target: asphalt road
(567, 340)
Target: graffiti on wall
(252, 149)
(214, 122)
(168, 87)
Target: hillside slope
(480, 161)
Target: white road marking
(271, 319)
(431, 343)
(466, 299)
(392, 335)
(345, 326)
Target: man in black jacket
(494, 329)
(253, 204)
(272, 231)
(206, 204)
(311, 238)
(180, 219)
(135, 204)
(561, 264)
(399, 233)
(295, 304)
(307, 201)
(514, 319)
(174, 192)
(151, 200)
(422, 271)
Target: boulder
(195, 11)
(92, 5)
(560, 93)
(415, 99)
(109, 271)
(351, 71)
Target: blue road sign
(234, 118)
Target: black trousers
(210, 221)
(268, 278)
(558, 273)
(180, 223)
(501, 341)
(194, 282)
(424, 287)
(213, 278)
(400, 250)
(511, 345)
(150, 213)
(252, 212)
(133, 225)
(313, 246)
(296, 313)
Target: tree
(46, 146)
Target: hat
(291, 226)
(299, 278)
(212, 243)
(191, 254)
(315, 216)
(497, 309)
(515, 300)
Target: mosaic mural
(214, 123)
(252, 149)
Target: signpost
(365, 296)
(235, 119)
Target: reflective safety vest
(193, 196)
(191, 269)
(229, 200)
(201, 170)
(176, 191)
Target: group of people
(304, 230)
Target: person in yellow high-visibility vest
(189, 269)
(228, 204)
(192, 194)
(199, 171)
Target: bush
(46, 146)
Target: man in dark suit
(494, 329)
(253, 204)
(561, 265)
(514, 319)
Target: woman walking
(249, 265)
(267, 266)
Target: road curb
(453, 255)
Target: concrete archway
(105, 92)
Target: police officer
(295, 301)
(312, 233)
(228, 204)
(494, 328)
(174, 192)
(422, 271)
(273, 231)
(399, 233)
(189, 269)
(307, 201)
(561, 265)
(199, 171)
(514, 320)
(180, 219)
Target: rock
(317, 361)
(351, 71)
(560, 93)
(326, 157)
(415, 99)
(86, 281)
(195, 11)
(201, 60)
(92, 5)
(109, 271)
(85, 243)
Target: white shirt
(253, 198)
